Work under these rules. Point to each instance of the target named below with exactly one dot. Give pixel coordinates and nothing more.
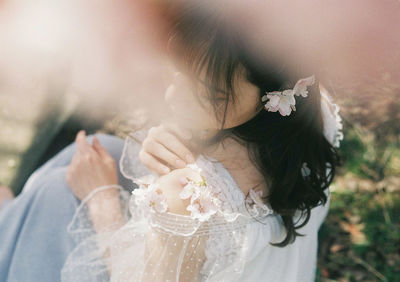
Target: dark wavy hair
(277, 145)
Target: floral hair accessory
(283, 101)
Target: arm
(157, 246)
(105, 210)
(171, 186)
(91, 170)
(92, 176)
(174, 256)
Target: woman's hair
(278, 145)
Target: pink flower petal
(274, 100)
(301, 86)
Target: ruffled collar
(252, 205)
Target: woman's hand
(91, 166)
(163, 149)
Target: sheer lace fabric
(156, 246)
(332, 121)
(162, 246)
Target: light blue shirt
(34, 242)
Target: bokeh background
(99, 66)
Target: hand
(91, 167)
(172, 184)
(163, 149)
(5, 194)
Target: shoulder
(171, 186)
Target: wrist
(105, 209)
(106, 216)
(104, 197)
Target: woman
(260, 178)
(264, 162)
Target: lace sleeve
(178, 248)
(87, 261)
(158, 246)
(130, 165)
(207, 244)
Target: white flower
(150, 198)
(156, 201)
(195, 167)
(280, 101)
(203, 204)
(191, 187)
(139, 194)
(188, 190)
(203, 200)
(301, 86)
(284, 101)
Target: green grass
(360, 239)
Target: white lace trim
(231, 203)
(164, 246)
(332, 121)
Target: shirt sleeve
(156, 245)
(153, 244)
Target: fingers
(100, 149)
(172, 143)
(164, 149)
(84, 147)
(81, 136)
(177, 150)
(81, 141)
(160, 152)
(167, 148)
(152, 163)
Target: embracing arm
(171, 255)
(152, 245)
(91, 169)
(105, 209)
(171, 186)
(93, 178)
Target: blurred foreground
(93, 65)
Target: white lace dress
(225, 238)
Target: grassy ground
(360, 239)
